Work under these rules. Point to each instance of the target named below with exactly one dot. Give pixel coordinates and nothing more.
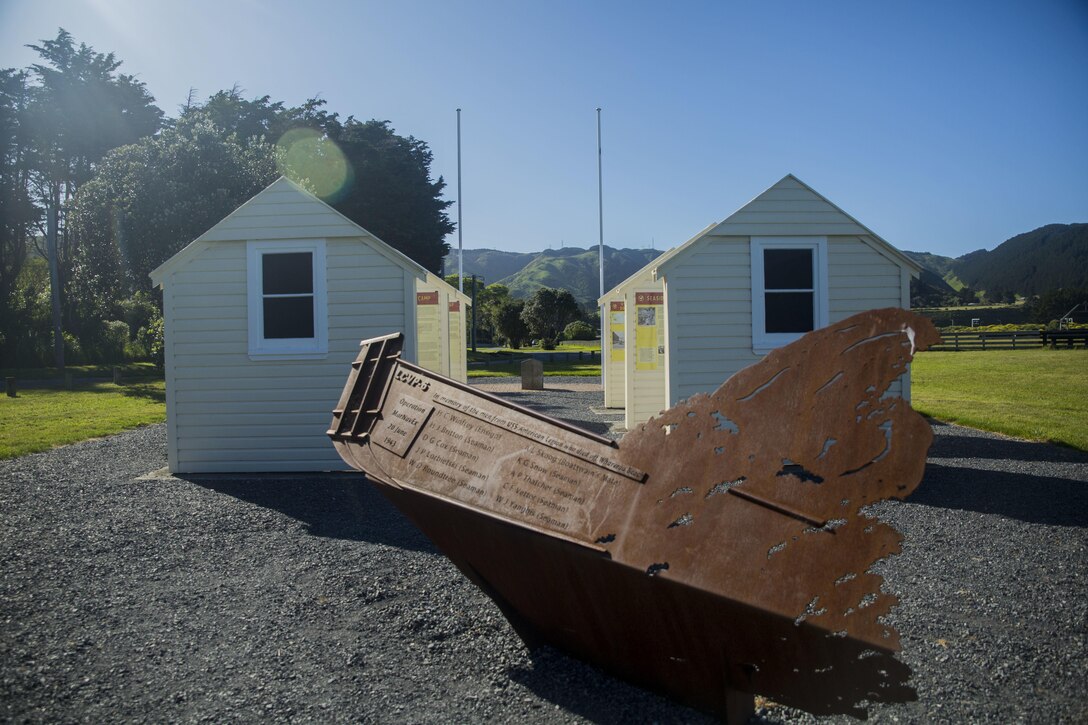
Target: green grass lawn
(1036, 394)
(39, 419)
(513, 370)
(142, 370)
(502, 360)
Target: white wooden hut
(263, 316)
(634, 312)
(787, 262)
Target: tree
(151, 198)
(18, 215)
(79, 110)
(1052, 304)
(82, 108)
(509, 324)
(548, 311)
(392, 195)
(381, 181)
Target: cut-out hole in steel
(723, 422)
(799, 472)
(828, 527)
(763, 387)
(654, 569)
(725, 486)
(606, 539)
(810, 611)
(684, 520)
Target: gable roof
(781, 210)
(282, 210)
(653, 264)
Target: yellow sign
(649, 330)
(616, 329)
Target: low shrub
(579, 330)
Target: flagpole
(600, 222)
(460, 247)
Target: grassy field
(1036, 394)
(501, 360)
(142, 370)
(513, 370)
(39, 419)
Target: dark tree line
(84, 150)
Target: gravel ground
(129, 595)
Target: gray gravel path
(133, 597)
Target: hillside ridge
(1051, 257)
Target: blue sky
(942, 126)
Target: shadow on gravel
(584, 690)
(332, 505)
(951, 445)
(1033, 499)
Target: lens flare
(314, 160)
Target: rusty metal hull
(719, 547)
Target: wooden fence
(1019, 340)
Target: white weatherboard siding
(280, 212)
(863, 279)
(709, 303)
(234, 413)
(708, 282)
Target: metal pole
(460, 248)
(600, 220)
(474, 299)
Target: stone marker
(532, 375)
(720, 550)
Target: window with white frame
(286, 298)
(789, 289)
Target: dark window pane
(287, 317)
(287, 274)
(787, 269)
(789, 312)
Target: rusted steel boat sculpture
(720, 547)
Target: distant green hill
(1050, 257)
(570, 268)
(936, 271)
(490, 264)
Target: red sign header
(649, 298)
(426, 298)
(616, 306)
